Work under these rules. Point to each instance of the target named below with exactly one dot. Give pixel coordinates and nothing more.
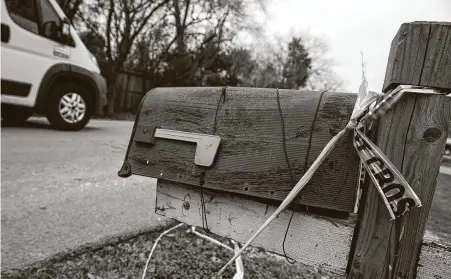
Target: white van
(46, 68)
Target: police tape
(395, 191)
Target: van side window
(51, 22)
(24, 13)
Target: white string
(155, 245)
(193, 230)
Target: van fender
(66, 71)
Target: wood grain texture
(319, 242)
(437, 65)
(420, 54)
(328, 183)
(252, 158)
(426, 138)
(412, 135)
(435, 259)
(411, 39)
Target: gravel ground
(179, 254)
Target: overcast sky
(351, 26)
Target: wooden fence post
(412, 135)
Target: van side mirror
(65, 33)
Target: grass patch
(180, 254)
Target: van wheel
(69, 107)
(15, 115)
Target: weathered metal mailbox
(248, 141)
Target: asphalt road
(60, 190)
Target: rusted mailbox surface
(254, 142)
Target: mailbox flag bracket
(206, 145)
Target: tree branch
(188, 2)
(108, 31)
(146, 19)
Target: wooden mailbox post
(412, 135)
(234, 197)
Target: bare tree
(282, 64)
(119, 23)
(175, 41)
(319, 75)
(322, 77)
(203, 28)
(193, 36)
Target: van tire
(56, 101)
(13, 115)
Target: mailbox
(252, 142)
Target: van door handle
(5, 33)
(206, 145)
